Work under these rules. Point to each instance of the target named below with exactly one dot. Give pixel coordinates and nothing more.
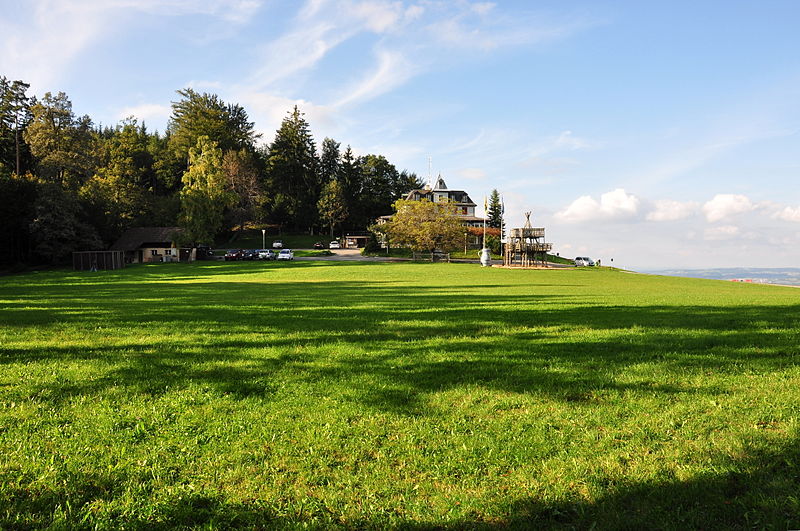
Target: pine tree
(15, 115)
(494, 217)
(329, 161)
(293, 176)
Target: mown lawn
(412, 395)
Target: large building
(440, 192)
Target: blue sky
(660, 134)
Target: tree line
(68, 184)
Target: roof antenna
(429, 184)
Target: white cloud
(617, 204)
(726, 205)
(668, 210)
(146, 111)
(460, 30)
(268, 110)
(723, 232)
(788, 214)
(377, 16)
(40, 42)
(472, 174)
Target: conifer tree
(293, 175)
(494, 217)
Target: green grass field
(411, 395)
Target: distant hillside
(789, 276)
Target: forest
(68, 184)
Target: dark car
(319, 245)
(204, 252)
(249, 254)
(234, 254)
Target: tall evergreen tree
(494, 216)
(292, 172)
(329, 161)
(15, 115)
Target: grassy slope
(396, 394)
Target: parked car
(204, 252)
(334, 245)
(266, 254)
(234, 254)
(277, 244)
(250, 254)
(286, 254)
(583, 261)
(319, 245)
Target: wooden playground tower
(526, 246)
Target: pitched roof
(133, 238)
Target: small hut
(526, 246)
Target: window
(168, 252)
(154, 252)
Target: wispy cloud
(478, 26)
(39, 43)
(393, 69)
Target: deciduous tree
(425, 226)
(63, 145)
(331, 205)
(196, 115)
(241, 174)
(58, 227)
(205, 193)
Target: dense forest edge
(68, 184)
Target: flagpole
(502, 212)
(485, 213)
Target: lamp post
(263, 238)
(465, 243)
